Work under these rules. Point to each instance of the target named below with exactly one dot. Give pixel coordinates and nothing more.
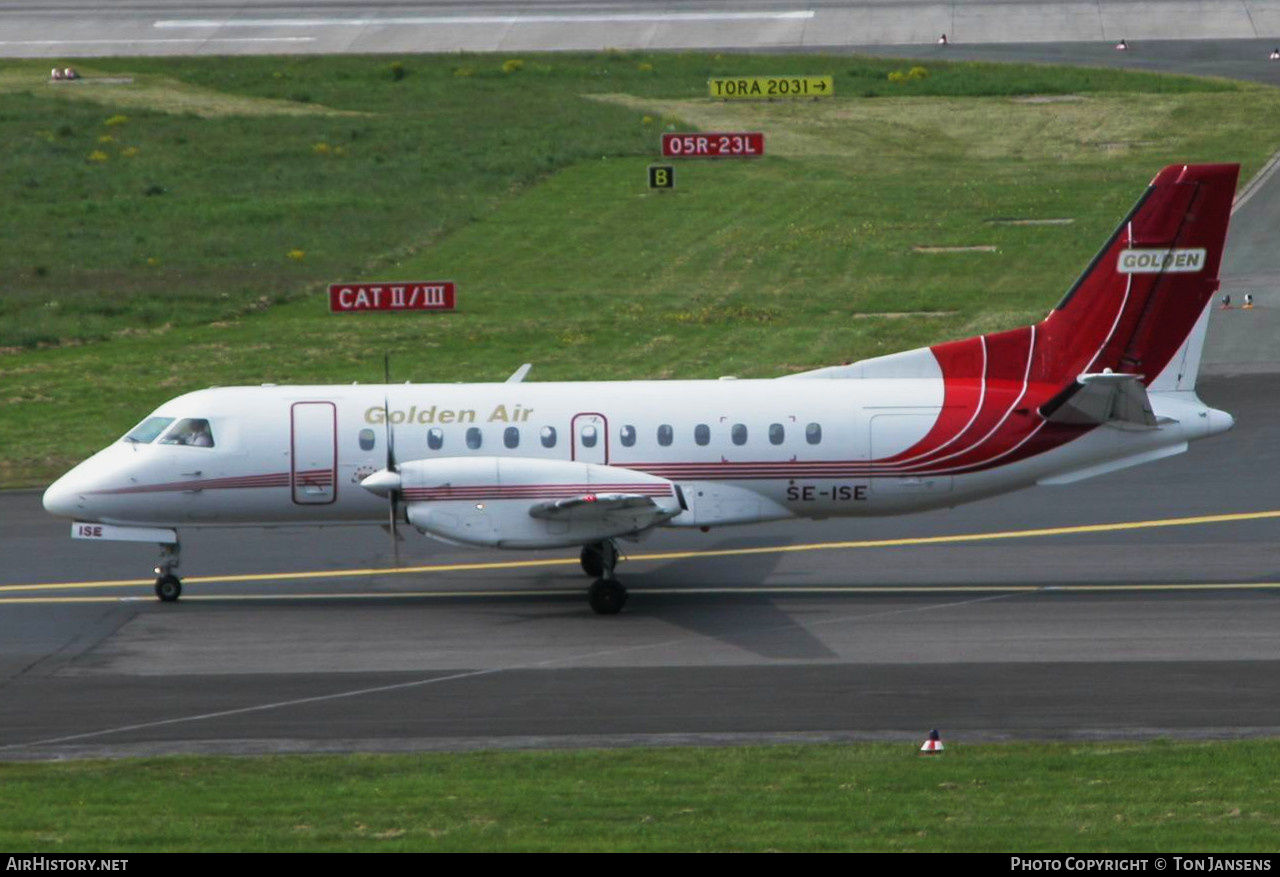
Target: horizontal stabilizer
(1103, 397)
(1114, 465)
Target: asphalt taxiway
(1144, 604)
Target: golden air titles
(435, 414)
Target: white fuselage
(739, 451)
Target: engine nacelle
(519, 502)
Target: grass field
(1155, 797)
(177, 230)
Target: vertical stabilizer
(1141, 307)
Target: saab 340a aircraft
(1104, 382)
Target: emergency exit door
(590, 438)
(314, 452)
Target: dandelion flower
(98, 156)
(297, 255)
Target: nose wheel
(606, 595)
(168, 585)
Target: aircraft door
(590, 438)
(314, 452)
(891, 434)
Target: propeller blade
(395, 535)
(391, 435)
(391, 479)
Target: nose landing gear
(168, 585)
(606, 595)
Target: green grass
(1160, 796)
(164, 263)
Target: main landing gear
(168, 585)
(606, 595)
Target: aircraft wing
(1104, 397)
(594, 507)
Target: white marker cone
(933, 745)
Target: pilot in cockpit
(193, 431)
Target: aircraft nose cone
(61, 499)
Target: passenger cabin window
(813, 433)
(193, 431)
(665, 435)
(628, 436)
(739, 433)
(777, 433)
(511, 437)
(367, 438)
(146, 431)
(474, 438)
(435, 438)
(702, 434)
(548, 436)
(589, 436)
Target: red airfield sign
(740, 144)
(412, 295)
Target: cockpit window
(192, 431)
(146, 431)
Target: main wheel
(168, 587)
(607, 597)
(592, 560)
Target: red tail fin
(1136, 306)
(1138, 309)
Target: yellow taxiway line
(676, 555)
(755, 590)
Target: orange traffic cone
(933, 745)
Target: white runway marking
(1254, 185)
(166, 41)
(568, 18)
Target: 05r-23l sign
(746, 144)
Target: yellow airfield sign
(770, 87)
